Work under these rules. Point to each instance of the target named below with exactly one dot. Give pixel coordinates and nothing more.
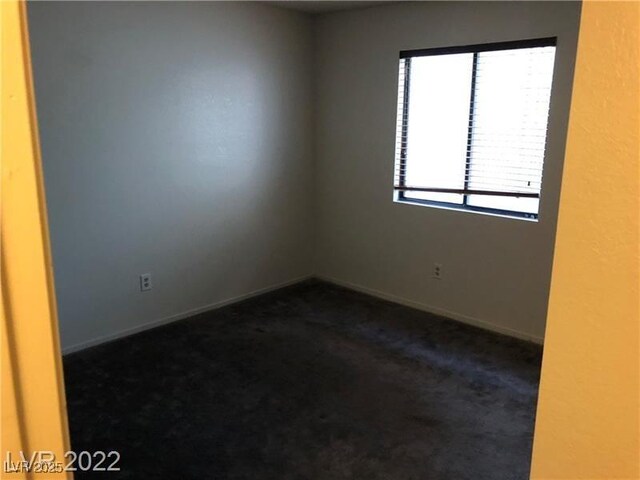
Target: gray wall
(179, 139)
(496, 270)
(176, 140)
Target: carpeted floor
(309, 382)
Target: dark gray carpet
(309, 382)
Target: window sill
(466, 209)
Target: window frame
(407, 55)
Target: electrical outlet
(145, 282)
(437, 271)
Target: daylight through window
(472, 126)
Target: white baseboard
(476, 322)
(369, 291)
(179, 316)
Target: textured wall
(496, 270)
(588, 420)
(176, 140)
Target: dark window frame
(407, 55)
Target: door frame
(34, 413)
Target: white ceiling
(312, 6)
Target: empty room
(320, 240)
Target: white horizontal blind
(509, 126)
(471, 126)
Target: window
(472, 126)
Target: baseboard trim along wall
(458, 317)
(476, 322)
(180, 316)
